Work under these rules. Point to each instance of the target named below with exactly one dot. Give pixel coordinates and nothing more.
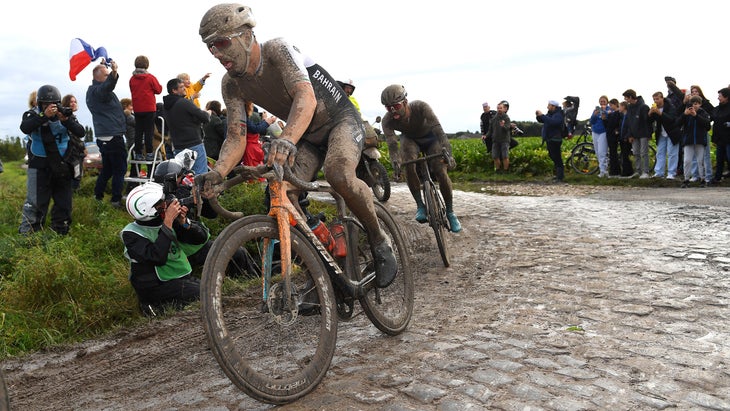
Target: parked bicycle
(275, 336)
(434, 202)
(583, 158)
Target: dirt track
(559, 297)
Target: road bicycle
(583, 158)
(275, 336)
(434, 202)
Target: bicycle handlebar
(444, 153)
(245, 173)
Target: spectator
(215, 130)
(613, 132)
(637, 119)
(49, 176)
(109, 126)
(421, 132)
(70, 101)
(128, 109)
(695, 123)
(552, 135)
(600, 142)
(695, 90)
(185, 121)
(256, 126)
(721, 132)
(627, 169)
(676, 97)
(484, 120)
(144, 86)
(499, 134)
(192, 90)
(667, 136)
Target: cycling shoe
(421, 214)
(453, 222)
(385, 265)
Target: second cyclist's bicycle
(434, 202)
(274, 336)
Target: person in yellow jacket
(192, 90)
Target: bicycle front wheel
(437, 219)
(583, 159)
(274, 345)
(390, 308)
(381, 183)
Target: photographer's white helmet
(142, 199)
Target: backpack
(570, 116)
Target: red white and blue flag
(82, 54)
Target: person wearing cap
(323, 129)
(552, 125)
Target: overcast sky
(453, 55)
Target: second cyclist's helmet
(394, 93)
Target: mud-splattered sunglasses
(222, 43)
(394, 107)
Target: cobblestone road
(615, 300)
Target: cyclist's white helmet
(142, 199)
(394, 93)
(224, 19)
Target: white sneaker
(644, 175)
(693, 180)
(670, 177)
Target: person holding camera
(162, 245)
(695, 123)
(110, 125)
(49, 126)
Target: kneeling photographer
(164, 245)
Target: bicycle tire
(437, 219)
(272, 354)
(583, 159)
(4, 395)
(390, 308)
(381, 182)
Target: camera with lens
(173, 191)
(66, 111)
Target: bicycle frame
(286, 216)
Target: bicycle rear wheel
(274, 351)
(437, 219)
(390, 308)
(583, 159)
